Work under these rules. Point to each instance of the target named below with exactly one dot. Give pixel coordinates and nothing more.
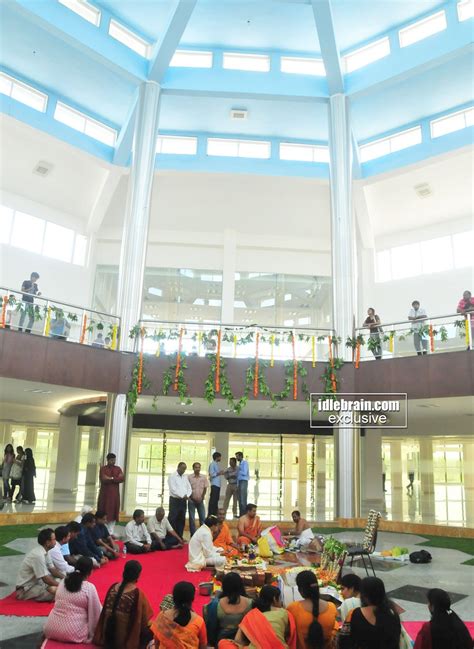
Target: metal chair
(368, 543)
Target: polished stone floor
(446, 571)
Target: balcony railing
(433, 335)
(55, 319)
(235, 341)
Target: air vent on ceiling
(43, 168)
(239, 113)
(423, 190)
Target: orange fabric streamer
(432, 347)
(255, 377)
(357, 356)
(218, 363)
(140, 362)
(4, 311)
(295, 368)
(331, 363)
(178, 361)
(83, 329)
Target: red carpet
(161, 571)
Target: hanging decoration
(313, 350)
(163, 469)
(178, 360)
(158, 349)
(331, 364)
(280, 486)
(431, 333)
(357, 355)
(83, 329)
(467, 329)
(313, 477)
(113, 342)
(295, 367)
(390, 342)
(199, 342)
(4, 311)
(47, 322)
(218, 363)
(235, 345)
(256, 370)
(140, 362)
(272, 350)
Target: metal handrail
(223, 325)
(50, 299)
(410, 322)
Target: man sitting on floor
(86, 509)
(101, 535)
(249, 526)
(83, 545)
(137, 538)
(162, 533)
(224, 538)
(55, 555)
(202, 552)
(301, 524)
(38, 578)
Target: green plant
(352, 342)
(133, 394)
(170, 378)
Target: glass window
(27, 232)
(58, 242)
(366, 55)
(437, 255)
(249, 62)
(406, 261)
(129, 39)
(463, 243)
(422, 29)
(301, 65)
(191, 59)
(6, 220)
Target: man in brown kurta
(110, 477)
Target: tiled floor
(445, 571)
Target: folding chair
(368, 543)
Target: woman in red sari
(445, 629)
(267, 626)
(110, 477)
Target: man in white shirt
(37, 578)
(55, 555)
(161, 531)
(180, 491)
(420, 339)
(202, 552)
(137, 538)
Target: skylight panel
(191, 59)
(239, 304)
(266, 303)
(391, 144)
(129, 39)
(238, 148)
(248, 62)
(177, 144)
(302, 65)
(368, 54)
(465, 10)
(422, 29)
(23, 93)
(453, 122)
(304, 152)
(84, 10)
(84, 124)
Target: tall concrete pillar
(67, 465)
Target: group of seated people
(59, 568)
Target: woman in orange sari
(315, 618)
(249, 526)
(267, 626)
(179, 627)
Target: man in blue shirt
(243, 482)
(215, 478)
(84, 545)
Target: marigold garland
(218, 363)
(47, 323)
(357, 355)
(83, 329)
(331, 363)
(113, 344)
(140, 362)
(235, 345)
(467, 332)
(256, 372)
(178, 360)
(272, 350)
(199, 342)
(4, 311)
(313, 350)
(295, 368)
(432, 345)
(390, 343)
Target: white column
(228, 275)
(134, 241)
(372, 483)
(343, 275)
(67, 464)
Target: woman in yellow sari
(179, 627)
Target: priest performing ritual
(110, 477)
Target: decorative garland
(256, 370)
(174, 377)
(280, 486)
(4, 311)
(313, 477)
(163, 468)
(133, 393)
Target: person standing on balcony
(29, 288)
(243, 478)
(417, 314)
(215, 478)
(372, 322)
(110, 477)
(466, 306)
(199, 485)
